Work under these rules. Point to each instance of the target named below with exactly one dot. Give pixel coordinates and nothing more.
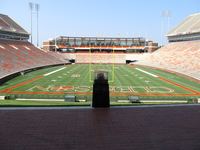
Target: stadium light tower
(165, 15)
(37, 7)
(31, 10)
(55, 44)
(34, 9)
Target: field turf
(124, 81)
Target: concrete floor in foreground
(131, 128)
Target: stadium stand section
(100, 58)
(84, 57)
(16, 53)
(183, 51)
(58, 55)
(100, 49)
(189, 29)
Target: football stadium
(64, 70)
(99, 92)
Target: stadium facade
(100, 44)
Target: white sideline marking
(163, 101)
(153, 75)
(47, 74)
(50, 100)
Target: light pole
(37, 7)
(55, 44)
(34, 9)
(31, 10)
(165, 15)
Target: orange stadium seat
(21, 55)
(181, 57)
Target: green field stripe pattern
(130, 80)
(176, 78)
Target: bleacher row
(100, 58)
(182, 57)
(17, 56)
(85, 57)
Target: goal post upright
(90, 67)
(113, 66)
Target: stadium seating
(57, 55)
(100, 58)
(17, 56)
(136, 56)
(182, 57)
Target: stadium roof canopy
(190, 25)
(9, 25)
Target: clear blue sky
(121, 18)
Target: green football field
(124, 81)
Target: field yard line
(47, 74)
(153, 75)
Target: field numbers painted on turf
(75, 76)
